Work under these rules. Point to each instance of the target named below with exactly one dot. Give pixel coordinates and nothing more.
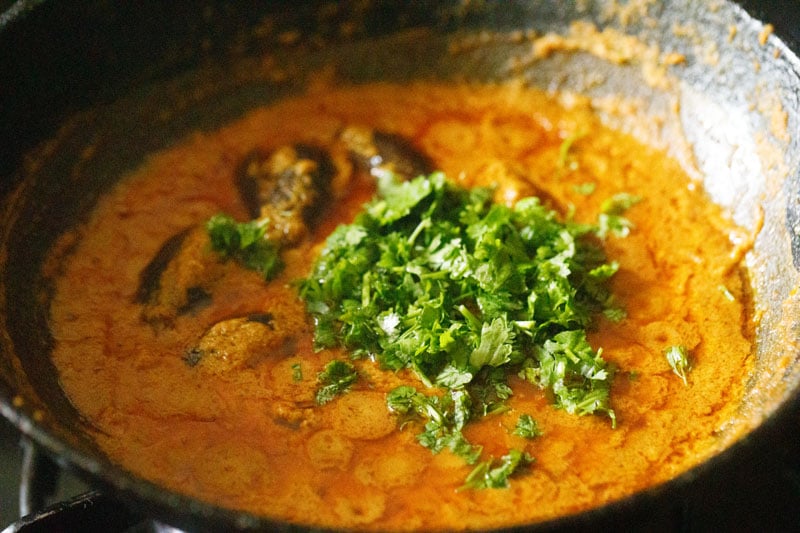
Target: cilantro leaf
(489, 391)
(585, 189)
(527, 427)
(444, 417)
(244, 242)
(297, 372)
(495, 345)
(437, 279)
(564, 159)
(619, 203)
(678, 359)
(400, 197)
(335, 379)
(486, 475)
(577, 375)
(611, 221)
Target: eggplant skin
(286, 187)
(380, 152)
(150, 277)
(180, 277)
(289, 186)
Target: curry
(200, 375)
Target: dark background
(10, 461)
(10, 468)
(761, 493)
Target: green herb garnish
(585, 189)
(611, 220)
(564, 159)
(440, 280)
(445, 416)
(244, 242)
(486, 475)
(678, 359)
(336, 378)
(527, 427)
(297, 372)
(576, 374)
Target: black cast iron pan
(118, 76)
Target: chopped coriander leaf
(495, 344)
(444, 417)
(619, 203)
(336, 378)
(436, 278)
(614, 225)
(575, 373)
(564, 150)
(244, 242)
(615, 314)
(487, 476)
(527, 427)
(678, 359)
(611, 221)
(297, 372)
(585, 189)
(489, 392)
(726, 293)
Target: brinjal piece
(379, 152)
(243, 342)
(150, 277)
(286, 187)
(179, 277)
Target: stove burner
(90, 512)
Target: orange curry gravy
(247, 434)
